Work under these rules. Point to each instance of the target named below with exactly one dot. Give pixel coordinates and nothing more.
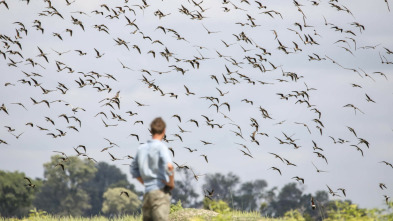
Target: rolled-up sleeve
(135, 168)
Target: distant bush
(293, 215)
(116, 203)
(351, 212)
(217, 206)
(35, 214)
(176, 207)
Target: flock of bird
(34, 69)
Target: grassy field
(184, 214)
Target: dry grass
(189, 213)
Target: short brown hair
(157, 126)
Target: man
(153, 168)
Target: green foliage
(293, 215)
(288, 199)
(223, 185)
(184, 190)
(250, 195)
(35, 214)
(200, 215)
(62, 191)
(78, 190)
(344, 210)
(116, 204)
(176, 207)
(389, 212)
(105, 177)
(15, 196)
(216, 206)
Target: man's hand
(140, 180)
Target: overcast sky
(347, 168)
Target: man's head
(157, 126)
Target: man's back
(150, 163)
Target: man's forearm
(171, 182)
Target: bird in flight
(205, 156)
(275, 168)
(29, 184)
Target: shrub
(293, 215)
(116, 204)
(217, 206)
(176, 207)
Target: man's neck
(158, 137)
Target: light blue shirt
(151, 163)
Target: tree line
(83, 188)
(252, 196)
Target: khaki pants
(156, 205)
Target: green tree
(62, 191)
(105, 177)
(224, 186)
(270, 196)
(120, 201)
(16, 196)
(289, 198)
(345, 210)
(250, 195)
(387, 213)
(184, 190)
(321, 200)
